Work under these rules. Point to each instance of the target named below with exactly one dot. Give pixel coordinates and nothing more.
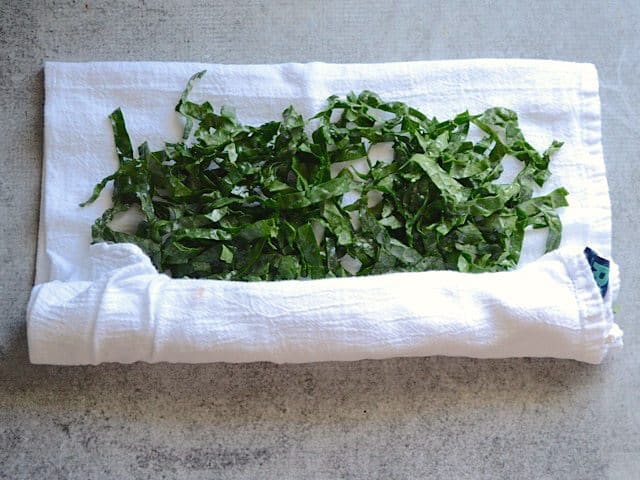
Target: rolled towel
(550, 308)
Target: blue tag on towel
(600, 268)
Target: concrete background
(410, 418)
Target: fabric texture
(107, 303)
(129, 312)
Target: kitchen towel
(128, 312)
(106, 302)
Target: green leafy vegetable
(271, 202)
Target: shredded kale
(272, 202)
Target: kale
(272, 202)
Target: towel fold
(100, 303)
(551, 308)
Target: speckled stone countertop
(443, 418)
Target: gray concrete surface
(411, 418)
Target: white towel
(129, 312)
(106, 303)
